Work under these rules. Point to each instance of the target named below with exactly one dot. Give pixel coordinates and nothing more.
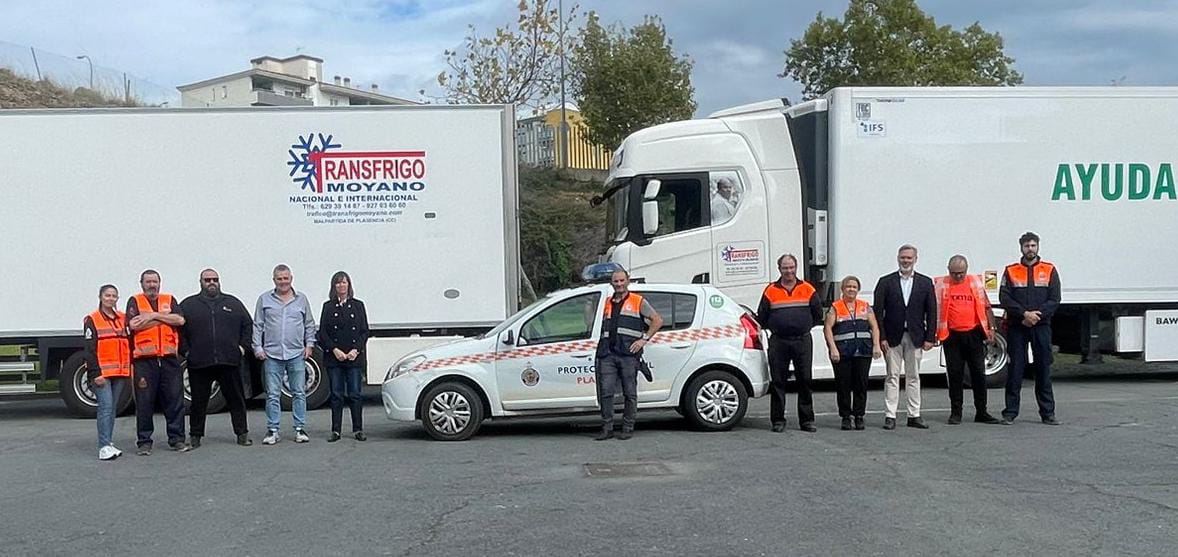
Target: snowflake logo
(302, 167)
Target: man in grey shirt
(284, 336)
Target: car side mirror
(652, 189)
(650, 217)
(508, 337)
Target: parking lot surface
(1103, 483)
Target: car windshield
(617, 204)
(510, 320)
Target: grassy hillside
(18, 92)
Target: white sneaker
(107, 453)
(118, 453)
(271, 438)
(301, 436)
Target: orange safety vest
(852, 331)
(158, 340)
(114, 355)
(1040, 274)
(779, 297)
(980, 299)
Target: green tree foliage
(516, 64)
(629, 79)
(559, 233)
(894, 43)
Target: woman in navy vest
(852, 335)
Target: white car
(706, 362)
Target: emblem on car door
(530, 376)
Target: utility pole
(564, 123)
(91, 63)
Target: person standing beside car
(789, 309)
(906, 310)
(108, 363)
(343, 337)
(217, 333)
(852, 336)
(629, 323)
(284, 337)
(155, 320)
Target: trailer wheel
(715, 401)
(997, 363)
(317, 387)
(78, 393)
(451, 411)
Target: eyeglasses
(214, 279)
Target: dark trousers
(1017, 339)
(612, 371)
(962, 350)
(200, 382)
(850, 383)
(783, 352)
(159, 381)
(345, 387)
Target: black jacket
(1033, 292)
(918, 316)
(216, 330)
(343, 326)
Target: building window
(224, 91)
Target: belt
(783, 337)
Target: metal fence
(73, 72)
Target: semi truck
(417, 203)
(843, 180)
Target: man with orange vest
(789, 309)
(155, 320)
(963, 329)
(108, 364)
(629, 323)
(1030, 294)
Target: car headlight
(403, 366)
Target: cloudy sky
(736, 44)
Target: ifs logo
(321, 166)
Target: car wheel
(451, 411)
(715, 401)
(78, 393)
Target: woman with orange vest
(852, 335)
(108, 363)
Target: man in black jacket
(906, 309)
(218, 333)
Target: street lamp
(91, 63)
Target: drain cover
(627, 470)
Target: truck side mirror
(650, 217)
(652, 189)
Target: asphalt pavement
(1103, 483)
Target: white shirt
(722, 209)
(906, 285)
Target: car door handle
(582, 356)
(681, 345)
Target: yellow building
(537, 139)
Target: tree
(626, 80)
(893, 42)
(516, 64)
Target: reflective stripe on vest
(779, 297)
(114, 354)
(1040, 274)
(631, 325)
(851, 330)
(158, 340)
(981, 303)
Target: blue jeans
(108, 395)
(345, 387)
(296, 379)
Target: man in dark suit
(906, 309)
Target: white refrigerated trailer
(418, 204)
(843, 180)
